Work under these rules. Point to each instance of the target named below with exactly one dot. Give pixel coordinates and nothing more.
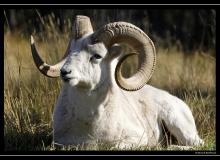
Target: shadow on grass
(27, 141)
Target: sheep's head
(88, 54)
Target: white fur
(91, 108)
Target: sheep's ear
(115, 51)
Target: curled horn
(122, 32)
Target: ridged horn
(81, 26)
(123, 32)
(51, 71)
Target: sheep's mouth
(67, 79)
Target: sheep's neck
(90, 106)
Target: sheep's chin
(73, 82)
(81, 85)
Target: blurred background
(191, 29)
(185, 41)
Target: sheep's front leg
(179, 121)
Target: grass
(29, 97)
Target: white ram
(97, 104)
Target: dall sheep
(98, 104)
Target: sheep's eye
(97, 56)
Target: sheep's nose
(64, 71)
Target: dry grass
(29, 97)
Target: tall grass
(29, 97)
